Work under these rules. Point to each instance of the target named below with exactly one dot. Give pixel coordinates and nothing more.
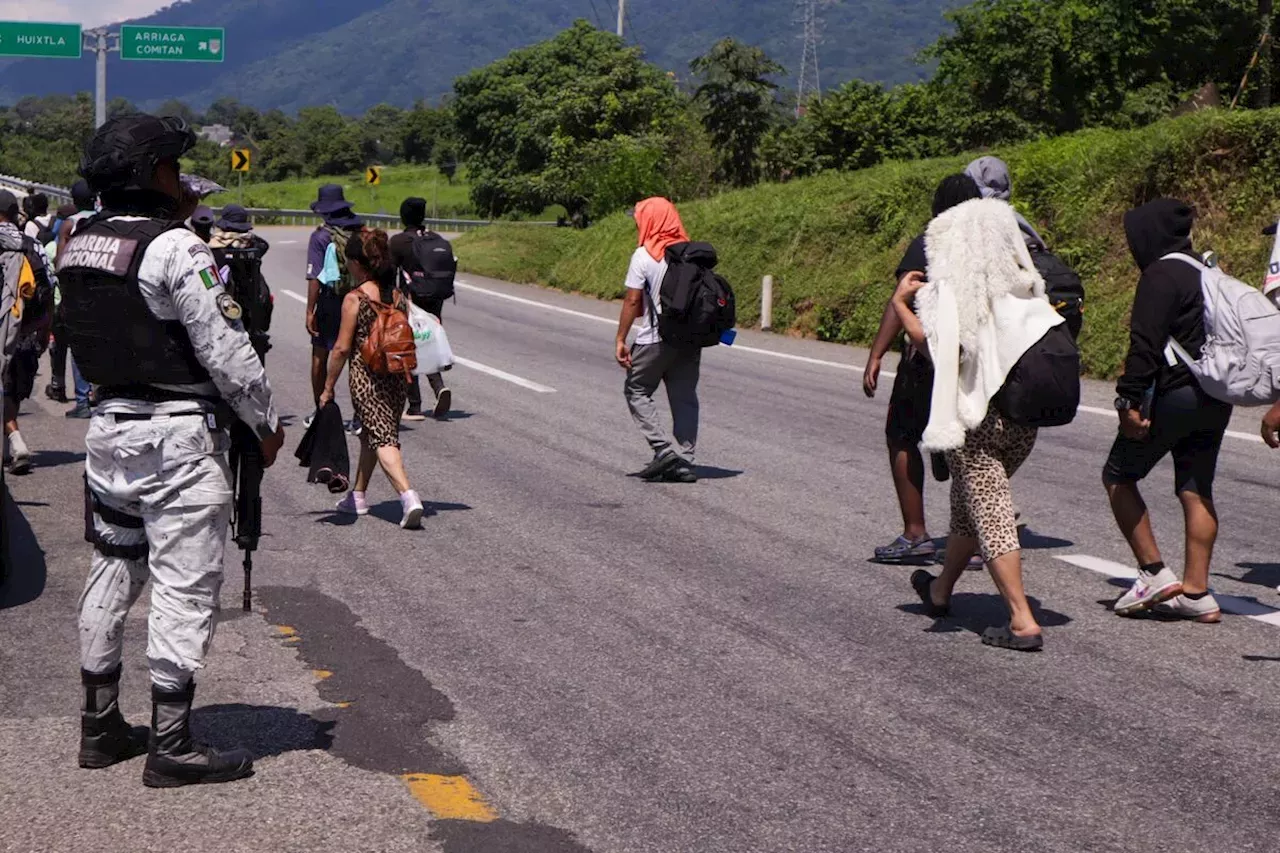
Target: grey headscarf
(991, 174)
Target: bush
(833, 241)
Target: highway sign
(240, 159)
(175, 44)
(52, 41)
(373, 175)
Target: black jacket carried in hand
(1169, 302)
(324, 450)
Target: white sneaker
(1147, 591)
(353, 504)
(413, 510)
(308, 420)
(1180, 607)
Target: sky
(90, 13)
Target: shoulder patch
(199, 250)
(209, 276)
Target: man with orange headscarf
(651, 361)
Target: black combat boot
(105, 737)
(174, 759)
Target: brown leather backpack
(390, 348)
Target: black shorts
(1185, 422)
(20, 374)
(328, 319)
(910, 401)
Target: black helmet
(124, 152)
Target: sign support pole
(240, 181)
(96, 42)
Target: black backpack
(1043, 389)
(698, 305)
(249, 288)
(1063, 287)
(437, 268)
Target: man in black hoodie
(1163, 411)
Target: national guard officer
(152, 327)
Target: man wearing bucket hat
(202, 223)
(327, 280)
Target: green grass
(833, 241)
(398, 183)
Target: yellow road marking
(449, 797)
(286, 631)
(322, 674)
(342, 704)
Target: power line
(595, 13)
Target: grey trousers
(678, 369)
(168, 487)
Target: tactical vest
(115, 339)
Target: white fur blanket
(983, 308)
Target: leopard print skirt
(378, 399)
(981, 500)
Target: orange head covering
(660, 226)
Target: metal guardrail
(267, 216)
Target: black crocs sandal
(920, 582)
(1003, 638)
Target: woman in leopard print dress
(379, 399)
(984, 309)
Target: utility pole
(95, 41)
(622, 17)
(1266, 14)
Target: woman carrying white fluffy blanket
(981, 308)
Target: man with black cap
(151, 326)
(239, 253)
(427, 288)
(328, 283)
(202, 223)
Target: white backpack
(1240, 362)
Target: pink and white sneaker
(353, 504)
(412, 510)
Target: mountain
(294, 53)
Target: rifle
(246, 519)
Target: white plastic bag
(434, 354)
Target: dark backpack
(1043, 389)
(45, 234)
(697, 304)
(249, 288)
(1063, 287)
(437, 268)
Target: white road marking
(503, 375)
(285, 242)
(1229, 603)
(475, 365)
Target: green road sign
(176, 44)
(58, 41)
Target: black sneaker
(661, 463)
(682, 473)
(414, 413)
(56, 393)
(79, 413)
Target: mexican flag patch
(209, 277)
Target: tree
(384, 129)
(738, 100)
(526, 123)
(424, 127)
(174, 107)
(1058, 66)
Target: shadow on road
(22, 562)
(1261, 574)
(391, 510)
(263, 730)
(1032, 541)
(55, 458)
(975, 613)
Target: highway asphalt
(569, 659)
